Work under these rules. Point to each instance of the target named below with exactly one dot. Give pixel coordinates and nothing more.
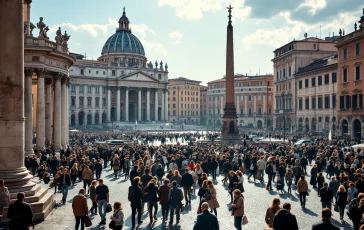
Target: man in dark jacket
(133, 173)
(175, 197)
(226, 167)
(205, 220)
(269, 172)
(135, 197)
(326, 195)
(325, 223)
(64, 181)
(163, 199)
(20, 214)
(214, 166)
(98, 169)
(284, 219)
(186, 183)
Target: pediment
(357, 91)
(139, 76)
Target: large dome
(123, 41)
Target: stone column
(162, 111)
(40, 126)
(265, 110)
(28, 111)
(222, 105)
(127, 104)
(148, 104)
(93, 115)
(48, 113)
(77, 101)
(67, 133)
(100, 103)
(85, 104)
(255, 104)
(237, 104)
(139, 104)
(166, 105)
(156, 105)
(118, 105)
(57, 112)
(64, 111)
(12, 141)
(108, 104)
(246, 97)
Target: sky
(190, 35)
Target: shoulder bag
(88, 222)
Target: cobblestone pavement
(257, 199)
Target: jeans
(134, 208)
(252, 173)
(101, 204)
(326, 204)
(150, 209)
(78, 220)
(237, 222)
(165, 209)
(98, 175)
(303, 198)
(64, 192)
(174, 209)
(88, 183)
(289, 183)
(261, 173)
(214, 174)
(269, 185)
(94, 207)
(187, 192)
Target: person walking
(341, 200)
(20, 214)
(176, 177)
(320, 182)
(65, 182)
(261, 164)
(205, 220)
(135, 196)
(269, 172)
(233, 181)
(239, 184)
(325, 223)
(326, 195)
(213, 203)
(74, 173)
(352, 192)
(237, 208)
(284, 219)
(118, 216)
(92, 197)
(152, 199)
(87, 176)
(4, 196)
(175, 197)
(116, 165)
(302, 189)
(334, 185)
(163, 192)
(186, 184)
(289, 178)
(98, 169)
(313, 179)
(102, 199)
(80, 209)
(271, 211)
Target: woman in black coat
(233, 179)
(341, 200)
(151, 197)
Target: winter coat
(213, 203)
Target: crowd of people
(168, 175)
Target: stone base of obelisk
(40, 199)
(229, 130)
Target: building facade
(350, 81)
(120, 86)
(253, 100)
(286, 62)
(203, 105)
(316, 86)
(184, 101)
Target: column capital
(28, 71)
(58, 76)
(41, 73)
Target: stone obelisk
(230, 124)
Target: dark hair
(287, 206)
(1, 181)
(136, 167)
(326, 213)
(136, 180)
(174, 183)
(82, 190)
(166, 181)
(20, 196)
(147, 170)
(100, 180)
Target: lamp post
(284, 129)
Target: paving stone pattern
(257, 200)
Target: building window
(259, 97)
(307, 103)
(319, 106)
(89, 89)
(357, 73)
(300, 104)
(306, 83)
(284, 72)
(80, 101)
(82, 72)
(81, 88)
(73, 101)
(174, 99)
(333, 77)
(88, 101)
(97, 101)
(300, 84)
(250, 111)
(348, 102)
(73, 88)
(326, 79)
(113, 73)
(319, 80)
(89, 71)
(333, 101)
(357, 49)
(97, 89)
(327, 102)
(97, 72)
(354, 101)
(345, 75)
(289, 71)
(104, 72)
(313, 102)
(342, 102)
(277, 75)
(249, 97)
(345, 53)
(159, 76)
(314, 46)
(103, 102)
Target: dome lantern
(124, 22)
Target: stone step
(29, 191)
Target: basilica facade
(121, 85)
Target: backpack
(353, 208)
(131, 193)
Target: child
(92, 197)
(46, 178)
(289, 177)
(279, 184)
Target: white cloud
(193, 9)
(176, 36)
(93, 29)
(313, 5)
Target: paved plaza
(257, 199)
